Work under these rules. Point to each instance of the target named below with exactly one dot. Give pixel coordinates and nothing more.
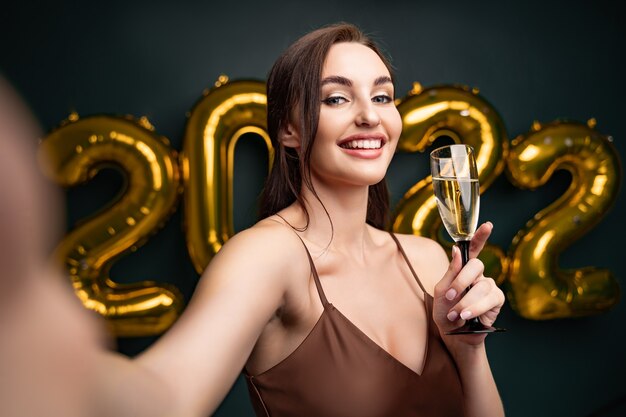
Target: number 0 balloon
(215, 125)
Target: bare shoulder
(264, 251)
(428, 258)
(266, 236)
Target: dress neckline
(327, 314)
(329, 307)
(384, 351)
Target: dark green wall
(532, 60)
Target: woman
(321, 306)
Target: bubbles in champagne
(458, 200)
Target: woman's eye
(382, 99)
(334, 100)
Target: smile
(362, 144)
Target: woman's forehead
(353, 60)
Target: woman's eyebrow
(336, 79)
(382, 80)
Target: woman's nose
(367, 115)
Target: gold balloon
(538, 288)
(216, 123)
(73, 154)
(464, 116)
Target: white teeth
(363, 144)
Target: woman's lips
(366, 146)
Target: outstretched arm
(200, 357)
(123, 388)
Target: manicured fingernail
(454, 252)
(451, 294)
(490, 224)
(453, 315)
(466, 314)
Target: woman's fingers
(466, 277)
(476, 245)
(480, 238)
(483, 298)
(452, 300)
(453, 269)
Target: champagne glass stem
(464, 246)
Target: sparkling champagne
(458, 200)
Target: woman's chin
(367, 180)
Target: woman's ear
(288, 135)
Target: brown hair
(293, 84)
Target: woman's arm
(452, 306)
(479, 388)
(121, 387)
(200, 357)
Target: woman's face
(359, 124)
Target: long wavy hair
(293, 90)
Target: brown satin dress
(338, 371)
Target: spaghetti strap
(316, 278)
(406, 258)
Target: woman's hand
(452, 305)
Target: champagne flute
(455, 183)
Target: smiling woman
(325, 310)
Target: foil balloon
(72, 154)
(462, 115)
(538, 288)
(216, 123)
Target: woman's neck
(347, 207)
